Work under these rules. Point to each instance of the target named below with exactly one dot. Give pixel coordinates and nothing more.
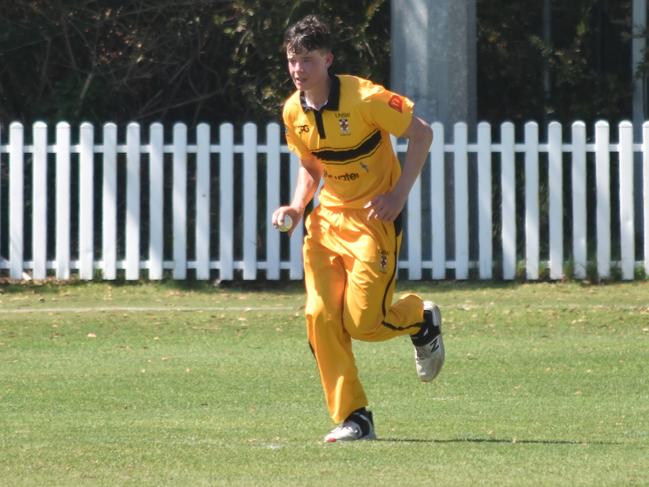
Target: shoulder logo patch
(396, 102)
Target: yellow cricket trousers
(350, 268)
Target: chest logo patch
(344, 126)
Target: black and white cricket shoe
(429, 346)
(358, 426)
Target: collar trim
(334, 98)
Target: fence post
(63, 201)
(579, 215)
(627, 228)
(16, 199)
(132, 201)
(508, 200)
(203, 179)
(438, 202)
(602, 163)
(485, 210)
(156, 201)
(555, 195)
(109, 202)
(461, 179)
(179, 201)
(39, 201)
(532, 214)
(86, 202)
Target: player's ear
(329, 59)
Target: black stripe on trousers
(398, 228)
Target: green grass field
(544, 384)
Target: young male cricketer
(340, 126)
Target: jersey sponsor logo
(365, 167)
(396, 103)
(347, 177)
(302, 129)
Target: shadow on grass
(497, 440)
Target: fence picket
(603, 181)
(179, 201)
(438, 202)
(485, 210)
(645, 193)
(295, 244)
(132, 201)
(16, 198)
(109, 202)
(203, 176)
(627, 229)
(226, 202)
(86, 202)
(62, 201)
(414, 230)
(532, 215)
(39, 201)
(250, 201)
(508, 200)
(156, 201)
(579, 214)
(461, 201)
(273, 189)
(2, 260)
(555, 185)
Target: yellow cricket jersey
(350, 136)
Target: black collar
(334, 97)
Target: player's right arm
(309, 173)
(308, 180)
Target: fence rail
(166, 204)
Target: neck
(318, 96)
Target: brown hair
(308, 34)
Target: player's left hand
(385, 207)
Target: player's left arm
(388, 206)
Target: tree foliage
(587, 56)
(150, 60)
(221, 60)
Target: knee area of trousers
(318, 314)
(363, 327)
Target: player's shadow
(498, 440)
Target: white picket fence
(201, 208)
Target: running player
(339, 127)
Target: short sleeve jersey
(350, 136)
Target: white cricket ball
(285, 225)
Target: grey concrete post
(638, 46)
(434, 64)
(434, 58)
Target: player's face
(309, 69)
